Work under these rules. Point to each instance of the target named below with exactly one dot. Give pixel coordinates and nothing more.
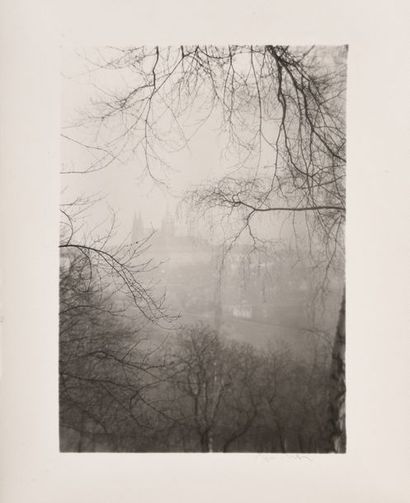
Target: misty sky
(125, 188)
(122, 187)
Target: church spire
(168, 226)
(137, 232)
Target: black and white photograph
(204, 251)
(202, 285)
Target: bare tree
(117, 267)
(281, 111)
(200, 377)
(108, 307)
(242, 402)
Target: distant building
(244, 286)
(167, 246)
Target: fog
(171, 225)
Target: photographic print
(202, 283)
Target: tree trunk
(205, 447)
(81, 439)
(337, 391)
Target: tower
(137, 232)
(168, 227)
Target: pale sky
(125, 190)
(120, 186)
